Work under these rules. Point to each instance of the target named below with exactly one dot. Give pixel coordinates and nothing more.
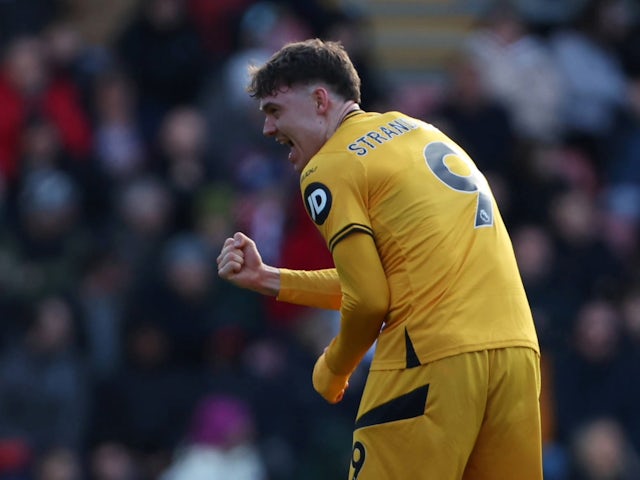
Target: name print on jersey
(384, 133)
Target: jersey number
(474, 183)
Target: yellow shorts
(474, 416)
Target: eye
(272, 111)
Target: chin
(299, 166)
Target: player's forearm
(267, 282)
(362, 319)
(312, 288)
(356, 337)
(365, 302)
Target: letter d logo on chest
(317, 202)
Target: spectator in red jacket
(28, 90)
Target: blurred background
(129, 151)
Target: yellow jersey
(452, 275)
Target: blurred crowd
(129, 150)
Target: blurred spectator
(621, 196)
(601, 451)
(589, 374)
(99, 22)
(518, 70)
(16, 457)
(45, 249)
(70, 57)
(548, 14)
(143, 211)
(161, 51)
(621, 219)
(551, 304)
(586, 266)
(594, 81)
(217, 24)
(179, 297)
(630, 304)
(620, 164)
(41, 148)
(630, 396)
(58, 463)
(320, 15)
(536, 177)
(629, 45)
(42, 154)
(112, 461)
(267, 25)
(475, 119)
(182, 159)
(220, 444)
(188, 302)
(144, 406)
(102, 287)
(29, 90)
(259, 372)
(294, 442)
(119, 152)
(266, 222)
(43, 386)
(213, 210)
(119, 146)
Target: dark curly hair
(301, 63)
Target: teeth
(284, 141)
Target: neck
(345, 109)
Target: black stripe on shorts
(409, 405)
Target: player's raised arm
(240, 263)
(312, 288)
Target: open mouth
(291, 152)
(286, 142)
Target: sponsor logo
(317, 201)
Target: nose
(269, 128)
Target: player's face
(293, 118)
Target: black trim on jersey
(350, 114)
(409, 405)
(346, 231)
(412, 358)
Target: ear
(321, 99)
